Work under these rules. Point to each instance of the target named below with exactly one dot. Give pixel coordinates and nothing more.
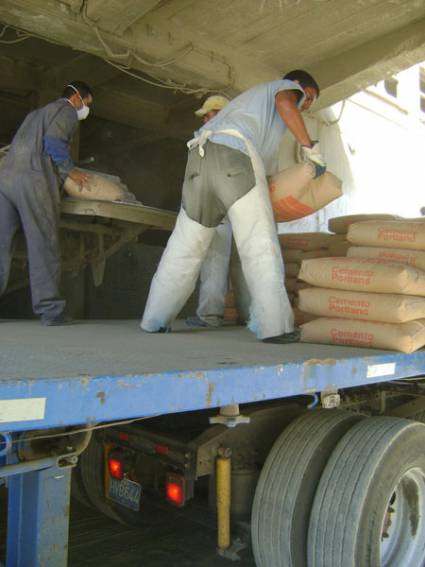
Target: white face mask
(84, 111)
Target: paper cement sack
(339, 248)
(363, 274)
(308, 240)
(415, 258)
(98, 188)
(300, 317)
(295, 193)
(292, 255)
(385, 307)
(291, 284)
(403, 337)
(388, 234)
(340, 225)
(292, 269)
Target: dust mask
(84, 111)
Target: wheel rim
(403, 525)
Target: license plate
(125, 492)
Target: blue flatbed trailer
(104, 371)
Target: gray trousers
(27, 199)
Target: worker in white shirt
(225, 176)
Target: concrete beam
(354, 70)
(59, 23)
(116, 16)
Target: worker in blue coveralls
(31, 176)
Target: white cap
(215, 102)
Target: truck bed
(106, 370)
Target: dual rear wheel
(339, 489)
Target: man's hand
(312, 153)
(79, 177)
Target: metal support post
(39, 492)
(38, 518)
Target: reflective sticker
(27, 409)
(375, 370)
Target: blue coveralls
(30, 179)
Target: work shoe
(211, 321)
(58, 321)
(286, 338)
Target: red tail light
(175, 489)
(116, 469)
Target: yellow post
(224, 478)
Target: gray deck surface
(96, 348)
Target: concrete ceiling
(190, 47)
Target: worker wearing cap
(214, 271)
(36, 164)
(212, 105)
(226, 175)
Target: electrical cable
(85, 429)
(22, 36)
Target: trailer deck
(99, 371)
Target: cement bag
(385, 307)
(298, 256)
(291, 270)
(339, 248)
(308, 240)
(98, 188)
(363, 274)
(301, 285)
(415, 258)
(295, 193)
(301, 318)
(340, 225)
(291, 284)
(403, 337)
(388, 234)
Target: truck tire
(90, 475)
(368, 508)
(285, 490)
(78, 492)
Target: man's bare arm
(286, 105)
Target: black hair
(80, 86)
(304, 79)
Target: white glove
(312, 153)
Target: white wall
(377, 148)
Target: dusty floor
(168, 540)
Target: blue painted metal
(38, 517)
(87, 400)
(27, 467)
(5, 443)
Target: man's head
(80, 96)
(308, 84)
(212, 105)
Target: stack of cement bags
(297, 247)
(374, 297)
(340, 225)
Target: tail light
(175, 489)
(116, 466)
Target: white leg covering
(178, 270)
(239, 285)
(215, 274)
(255, 234)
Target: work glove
(312, 154)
